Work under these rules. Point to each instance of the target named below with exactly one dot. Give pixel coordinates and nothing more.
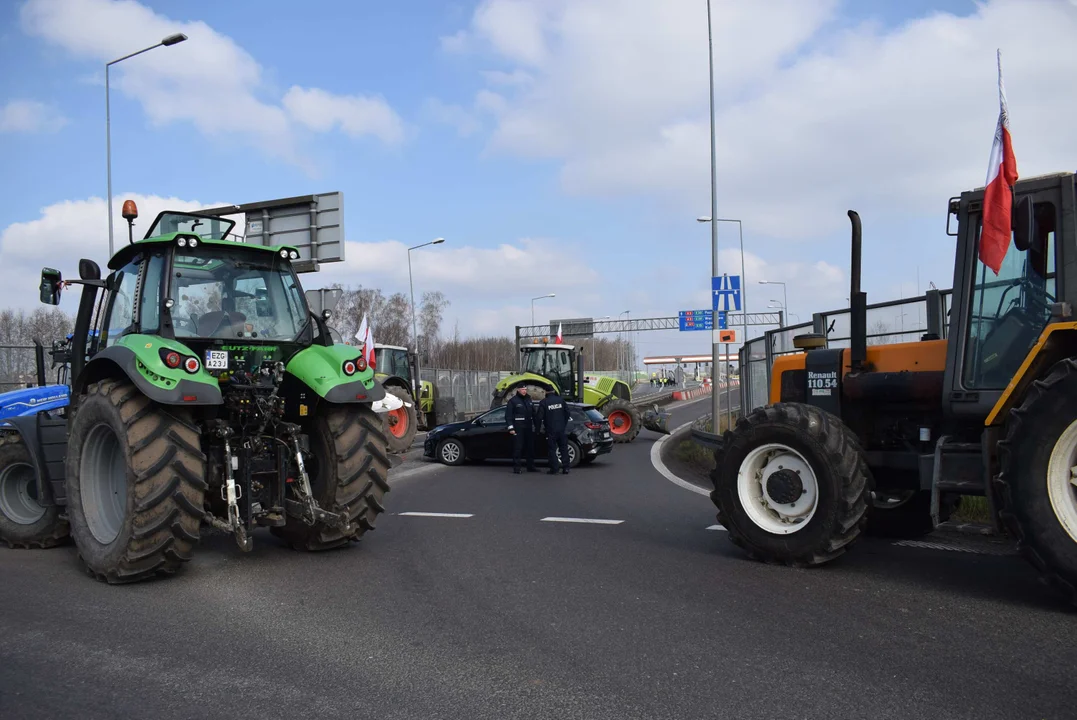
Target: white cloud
(356, 115)
(208, 80)
(30, 116)
(484, 285)
(812, 117)
(463, 120)
(455, 43)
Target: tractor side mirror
(50, 286)
(1024, 224)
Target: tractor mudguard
(139, 357)
(321, 368)
(657, 420)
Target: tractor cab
(556, 363)
(393, 360)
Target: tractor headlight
(284, 253)
(294, 255)
(182, 242)
(192, 243)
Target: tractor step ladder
(963, 468)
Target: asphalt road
(503, 615)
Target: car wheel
(451, 452)
(575, 455)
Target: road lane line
(435, 514)
(717, 527)
(593, 521)
(656, 460)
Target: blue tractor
(31, 482)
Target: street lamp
(540, 297)
(714, 270)
(785, 297)
(417, 381)
(167, 42)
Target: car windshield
(225, 293)
(209, 228)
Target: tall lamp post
(715, 350)
(785, 297)
(540, 297)
(743, 294)
(416, 381)
(166, 42)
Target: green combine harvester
(549, 366)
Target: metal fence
(472, 390)
(890, 322)
(17, 367)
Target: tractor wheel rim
(1062, 480)
(398, 422)
(620, 422)
(18, 494)
(103, 484)
(765, 495)
(450, 452)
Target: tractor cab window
(223, 293)
(554, 363)
(209, 228)
(1009, 311)
(149, 313)
(398, 364)
(120, 319)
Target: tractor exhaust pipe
(580, 378)
(858, 307)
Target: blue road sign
(696, 320)
(724, 290)
(722, 324)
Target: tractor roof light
(293, 255)
(192, 243)
(182, 242)
(284, 253)
(130, 210)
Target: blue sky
(525, 130)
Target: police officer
(520, 413)
(553, 415)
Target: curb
(700, 391)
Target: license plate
(216, 359)
(605, 435)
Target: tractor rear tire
(909, 517)
(349, 475)
(771, 461)
(26, 520)
(135, 484)
(401, 424)
(536, 392)
(625, 420)
(1036, 494)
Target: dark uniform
(554, 416)
(520, 414)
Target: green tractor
(205, 393)
(550, 366)
(395, 370)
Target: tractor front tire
(791, 485)
(349, 475)
(135, 484)
(1036, 492)
(26, 520)
(401, 424)
(625, 420)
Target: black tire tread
(1011, 513)
(843, 453)
(633, 412)
(169, 468)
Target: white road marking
(593, 521)
(435, 514)
(656, 460)
(413, 471)
(717, 527)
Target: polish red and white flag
(998, 195)
(559, 333)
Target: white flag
(361, 334)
